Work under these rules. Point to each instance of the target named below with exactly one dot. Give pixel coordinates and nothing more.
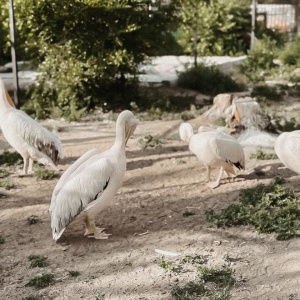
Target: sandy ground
(146, 214)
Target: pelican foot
(97, 233)
(213, 185)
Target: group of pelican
(89, 184)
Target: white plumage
(27, 136)
(287, 148)
(214, 149)
(91, 182)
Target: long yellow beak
(9, 100)
(237, 115)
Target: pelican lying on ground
(27, 136)
(214, 149)
(287, 148)
(91, 182)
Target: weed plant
(269, 208)
(37, 261)
(261, 155)
(149, 141)
(41, 281)
(73, 273)
(44, 174)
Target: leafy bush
(41, 281)
(259, 60)
(265, 92)
(291, 53)
(270, 208)
(207, 80)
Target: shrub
(207, 80)
(291, 53)
(265, 92)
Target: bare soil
(146, 214)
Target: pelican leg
(30, 168)
(92, 231)
(215, 184)
(25, 167)
(208, 169)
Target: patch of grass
(3, 173)
(8, 158)
(149, 141)
(222, 277)
(180, 161)
(32, 219)
(262, 155)
(2, 239)
(6, 183)
(265, 92)
(44, 174)
(269, 208)
(188, 213)
(208, 283)
(169, 266)
(73, 273)
(37, 261)
(41, 281)
(100, 296)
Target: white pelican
(27, 136)
(91, 182)
(214, 149)
(287, 148)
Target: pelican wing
(229, 150)
(35, 134)
(73, 170)
(78, 192)
(293, 142)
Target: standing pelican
(27, 136)
(214, 149)
(287, 148)
(91, 182)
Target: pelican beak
(9, 100)
(129, 133)
(237, 115)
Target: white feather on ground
(27, 136)
(287, 148)
(90, 183)
(214, 149)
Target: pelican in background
(214, 149)
(27, 136)
(287, 148)
(91, 182)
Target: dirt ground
(146, 214)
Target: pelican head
(186, 131)
(127, 120)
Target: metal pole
(253, 18)
(13, 52)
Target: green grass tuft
(188, 213)
(221, 277)
(6, 183)
(32, 219)
(41, 281)
(149, 141)
(37, 261)
(44, 174)
(270, 209)
(8, 158)
(262, 155)
(73, 273)
(30, 298)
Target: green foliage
(6, 183)
(220, 27)
(265, 92)
(259, 60)
(8, 158)
(291, 53)
(188, 213)
(283, 124)
(221, 277)
(207, 80)
(44, 174)
(262, 155)
(270, 208)
(168, 266)
(3, 173)
(84, 53)
(37, 261)
(73, 273)
(41, 281)
(149, 141)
